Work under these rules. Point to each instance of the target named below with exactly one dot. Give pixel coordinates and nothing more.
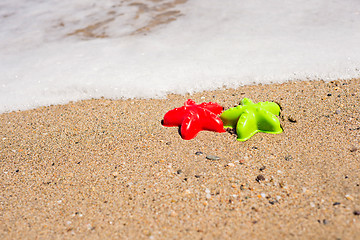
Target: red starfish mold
(193, 118)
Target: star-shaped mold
(193, 118)
(249, 118)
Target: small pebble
(353, 149)
(348, 197)
(288, 158)
(260, 178)
(89, 227)
(173, 213)
(187, 191)
(329, 94)
(291, 119)
(336, 203)
(230, 165)
(356, 213)
(262, 168)
(325, 221)
(179, 171)
(198, 153)
(212, 157)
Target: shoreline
(108, 168)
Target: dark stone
(336, 203)
(198, 153)
(17, 170)
(356, 213)
(179, 171)
(262, 168)
(329, 94)
(288, 158)
(353, 149)
(292, 119)
(260, 178)
(197, 176)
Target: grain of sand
(108, 169)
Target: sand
(108, 169)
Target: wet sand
(108, 169)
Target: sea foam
(52, 52)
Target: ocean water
(53, 52)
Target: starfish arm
(190, 102)
(246, 101)
(246, 126)
(190, 126)
(212, 107)
(230, 117)
(211, 121)
(174, 117)
(267, 122)
(272, 107)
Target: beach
(108, 169)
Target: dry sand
(106, 169)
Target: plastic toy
(250, 118)
(193, 118)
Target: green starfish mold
(250, 118)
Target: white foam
(214, 43)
